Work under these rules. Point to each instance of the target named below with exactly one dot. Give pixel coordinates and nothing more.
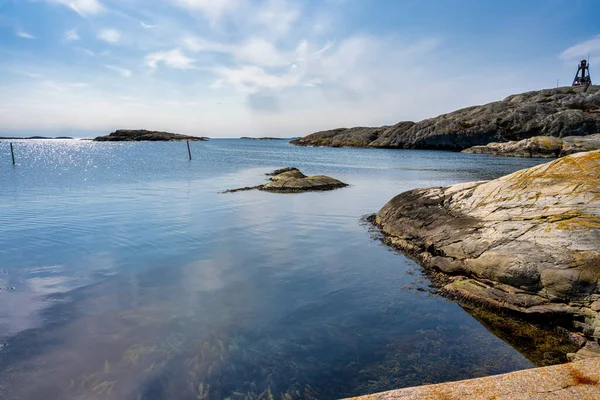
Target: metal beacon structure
(582, 77)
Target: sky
(230, 68)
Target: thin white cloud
(71, 35)
(111, 36)
(252, 79)
(197, 44)
(349, 66)
(173, 58)
(278, 16)
(260, 52)
(213, 10)
(86, 51)
(306, 70)
(582, 49)
(82, 7)
(25, 35)
(256, 51)
(147, 26)
(53, 86)
(124, 72)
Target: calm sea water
(126, 275)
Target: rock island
(123, 135)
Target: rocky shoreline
(527, 243)
(558, 112)
(540, 147)
(141, 135)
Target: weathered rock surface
(558, 112)
(291, 180)
(122, 135)
(578, 380)
(540, 146)
(528, 242)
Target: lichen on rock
(528, 242)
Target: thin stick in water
(12, 153)
(189, 151)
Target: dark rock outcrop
(527, 243)
(291, 180)
(540, 146)
(559, 112)
(123, 135)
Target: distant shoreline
(37, 138)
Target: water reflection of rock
(541, 345)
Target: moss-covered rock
(529, 242)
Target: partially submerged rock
(540, 146)
(123, 135)
(291, 180)
(528, 242)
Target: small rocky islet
(559, 112)
(291, 180)
(527, 243)
(140, 135)
(260, 138)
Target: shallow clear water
(126, 275)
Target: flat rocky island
(260, 138)
(526, 243)
(291, 180)
(141, 135)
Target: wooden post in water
(12, 153)
(189, 151)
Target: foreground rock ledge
(291, 180)
(579, 380)
(528, 242)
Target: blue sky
(228, 68)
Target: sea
(126, 274)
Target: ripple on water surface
(134, 278)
